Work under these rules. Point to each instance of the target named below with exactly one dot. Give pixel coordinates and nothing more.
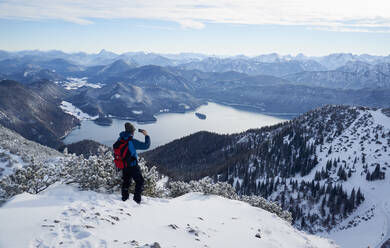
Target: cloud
(335, 15)
(191, 24)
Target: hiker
(132, 169)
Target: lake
(170, 126)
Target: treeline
(313, 206)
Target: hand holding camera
(143, 131)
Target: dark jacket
(135, 144)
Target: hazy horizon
(216, 27)
(188, 52)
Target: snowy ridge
(368, 135)
(62, 216)
(357, 145)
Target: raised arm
(142, 145)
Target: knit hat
(129, 127)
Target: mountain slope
(16, 152)
(33, 116)
(126, 100)
(252, 66)
(328, 167)
(343, 78)
(73, 218)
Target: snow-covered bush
(99, 173)
(179, 188)
(96, 173)
(151, 176)
(32, 179)
(260, 202)
(207, 186)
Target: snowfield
(63, 216)
(75, 83)
(69, 108)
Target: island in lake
(103, 121)
(201, 116)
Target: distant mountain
(142, 58)
(30, 70)
(28, 76)
(284, 97)
(182, 58)
(118, 67)
(252, 67)
(362, 67)
(240, 81)
(61, 66)
(329, 167)
(360, 77)
(35, 117)
(126, 100)
(336, 60)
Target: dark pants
(132, 172)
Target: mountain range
(137, 86)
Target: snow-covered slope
(368, 135)
(312, 166)
(16, 151)
(63, 216)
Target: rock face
(35, 117)
(386, 244)
(201, 116)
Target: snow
(137, 112)
(243, 139)
(75, 83)
(2, 115)
(380, 118)
(360, 137)
(69, 108)
(63, 216)
(8, 162)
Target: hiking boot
(125, 195)
(137, 199)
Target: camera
(140, 130)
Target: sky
(215, 27)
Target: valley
(324, 159)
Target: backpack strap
(124, 147)
(126, 153)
